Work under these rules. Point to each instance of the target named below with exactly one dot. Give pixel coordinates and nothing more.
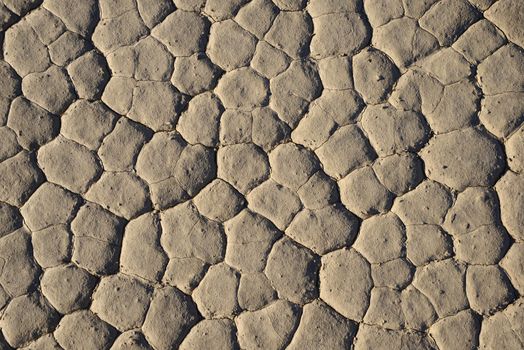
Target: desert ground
(261, 174)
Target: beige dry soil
(262, 174)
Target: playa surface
(261, 174)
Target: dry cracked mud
(261, 174)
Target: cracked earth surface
(264, 174)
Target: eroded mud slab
(261, 174)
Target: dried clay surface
(261, 174)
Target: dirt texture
(262, 174)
